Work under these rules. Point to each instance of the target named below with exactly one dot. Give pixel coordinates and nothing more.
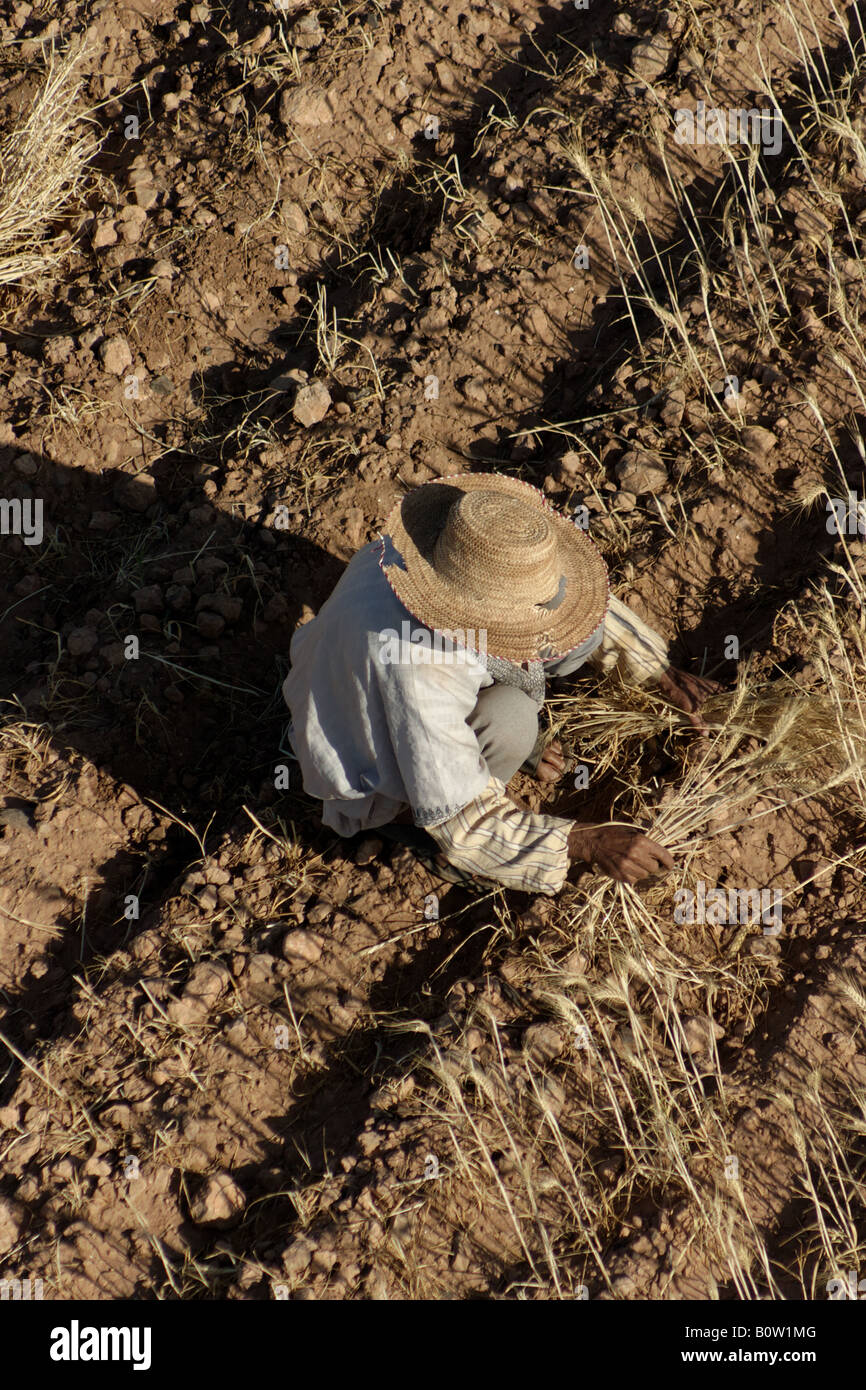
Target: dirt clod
(115, 354)
(219, 1202)
(311, 404)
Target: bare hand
(622, 852)
(688, 693)
(552, 763)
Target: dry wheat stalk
(43, 162)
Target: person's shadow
(147, 631)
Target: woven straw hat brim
(516, 632)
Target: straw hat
(483, 551)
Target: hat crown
(493, 541)
(483, 551)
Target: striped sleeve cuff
(631, 642)
(493, 839)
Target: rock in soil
(640, 472)
(219, 1202)
(115, 354)
(650, 57)
(302, 947)
(311, 404)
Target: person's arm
(642, 655)
(496, 840)
(631, 644)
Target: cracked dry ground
(245, 1060)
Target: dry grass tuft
(43, 162)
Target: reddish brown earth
(240, 1061)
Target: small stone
(305, 106)
(132, 223)
(235, 1032)
(551, 1094)
(671, 413)
(311, 404)
(570, 469)
(262, 38)
(260, 969)
(376, 1285)
(650, 57)
(763, 946)
(178, 597)
(228, 606)
(148, 599)
(445, 77)
(26, 465)
(218, 1202)
(811, 223)
(323, 1261)
(294, 217)
(118, 1117)
(58, 350)
(297, 1256)
(543, 1042)
(145, 196)
(542, 206)
(276, 609)
(700, 1032)
(302, 947)
(319, 914)
(537, 322)
(757, 441)
(81, 641)
(105, 234)
(210, 624)
(206, 983)
(115, 354)
(307, 32)
(474, 391)
(11, 1221)
(145, 946)
(163, 270)
(114, 653)
(640, 472)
